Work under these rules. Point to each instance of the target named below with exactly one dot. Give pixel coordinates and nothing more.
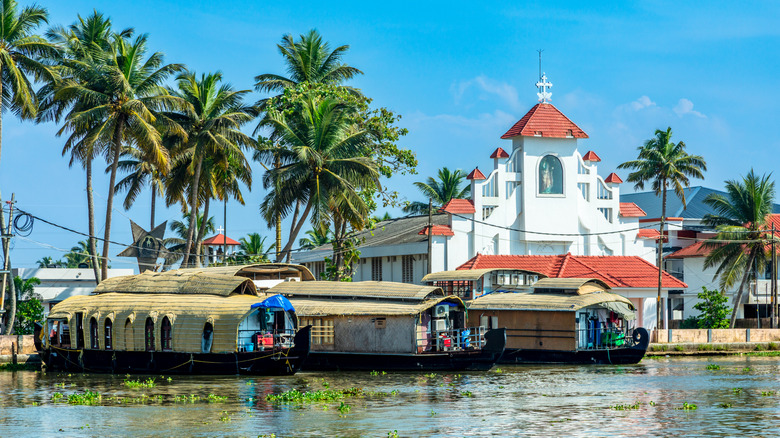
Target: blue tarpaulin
(276, 301)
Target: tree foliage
(440, 191)
(713, 308)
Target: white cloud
(488, 88)
(641, 103)
(685, 106)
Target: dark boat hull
(618, 356)
(464, 360)
(277, 362)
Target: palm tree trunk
(658, 310)
(201, 232)
(293, 233)
(110, 200)
(1, 115)
(91, 220)
(154, 200)
(738, 300)
(193, 210)
(278, 164)
(295, 229)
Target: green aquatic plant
(498, 370)
(135, 384)
(393, 434)
(713, 366)
(56, 396)
(737, 391)
(298, 397)
(679, 348)
(224, 417)
(378, 373)
(725, 405)
(212, 398)
(467, 393)
(87, 398)
(688, 407)
(430, 375)
(652, 403)
(746, 370)
(627, 407)
(767, 393)
(344, 408)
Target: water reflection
(741, 397)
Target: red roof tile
(695, 250)
(437, 230)
(616, 271)
(545, 120)
(648, 233)
(630, 209)
(476, 174)
(613, 178)
(219, 239)
(459, 206)
(499, 153)
(591, 156)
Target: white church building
(542, 197)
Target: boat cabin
(471, 283)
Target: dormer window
(569, 133)
(537, 133)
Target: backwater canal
(735, 395)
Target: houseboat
(197, 321)
(563, 320)
(389, 326)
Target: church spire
(544, 95)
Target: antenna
(540, 62)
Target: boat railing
(253, 340)
(472, 338)
(604, 338)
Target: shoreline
(713, 349)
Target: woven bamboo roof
(311, 306)
(181, 281)
(467, 274)
(544, 301)
(187, 313)
(360, 289)
(283, 270)
(580, 285)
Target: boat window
(79, 331)
(149, 334)
(321, 330)
(208, 335)
(109, 326)
(128, 335)
(94, 334)
(165, 332)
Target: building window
(487, 211)
(603, 191)
(165, 334)
(321, 330)
(109, 327)
(376, 269)
(607, 212)
(490, 187)
(585, 190)
(94, 334)
(149, 335)
(407, 269)
(550, 176)
(581, 169)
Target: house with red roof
(217, 246)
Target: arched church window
(550, 176)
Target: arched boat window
(149, 334)
(94, 334)
(109, 326)
(129, 335)
(165, 332)
(208, 336)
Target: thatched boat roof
(313, 306)
(362, 289)
(576, 285)
(553, 302)
(468, 274)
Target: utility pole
(773, 300)
(5, 231)
(4, 239)
(224, 214)
(430, 232)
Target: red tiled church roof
(219, 239)
(616, 271)
(630, 209)
(591, 156)
(499, 153)
(613, 178)
(437, 230)
(476, 174)
(545, 120)
(459, 206)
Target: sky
(460, 74)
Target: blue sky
(460, 74)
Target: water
(518, 401)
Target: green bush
(713, 308)
(691, 322)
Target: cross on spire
(544, 95)
(220, 229)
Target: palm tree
(116, 100)
(21, 52)
(441, 191)
(325, 156)
(252, 249)
(180, 228)
(78, 254)
(316, 238)
(666, 165)
(308, 60)
(45, 262)
(25, 289)
(741, 218)
(212, 121)
(85, 41)
(141, 172)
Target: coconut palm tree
(78, 254)
(316, 238)
(309, 60)
(252, 249)
(21, 52)
(441, 191)
(25, 289)
(325, 155)
(141, 172)
(212, 123)
(116, 100)
(665, 165)
(85, 41)
(741, 218)
(180, 228)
